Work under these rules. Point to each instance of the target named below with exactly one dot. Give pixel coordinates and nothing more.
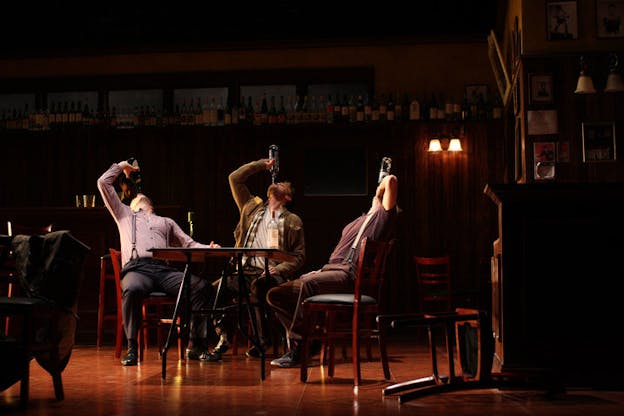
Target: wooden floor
(97, 385)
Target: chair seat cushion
(339, 299)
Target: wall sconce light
(437, 144)
(584, 85)
(614, 80)
(455, 145)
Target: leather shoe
(222, 346)
(131, 358)
(254, 352)
(197, 354)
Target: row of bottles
(216, 111)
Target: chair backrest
(115, 256)
(371, 268)
(15, 229)
(434, 283)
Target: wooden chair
(7, 278)
(434, 283)
(361, 307)
(469, 351)
(107, 275)
(43, 324)
(153, 312)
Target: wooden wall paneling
(441, 195)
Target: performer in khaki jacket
(251, 231)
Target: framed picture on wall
(609, 15)
(561, 20)
(544, 160)
(540, 89)
(563, 152)
(598, 142)
(476, 93)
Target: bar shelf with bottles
(269, 111)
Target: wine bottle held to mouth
(135, 176)
(384, 170)
(274, 155)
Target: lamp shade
(585, 85)
(455, 145)
(614, 83)
(435, 145)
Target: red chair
(107, 274)
(153, 312)
(434, 283)
(362, 306)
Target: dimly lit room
(311, 208)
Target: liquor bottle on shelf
(233, 110)
(465, 109)
(390, 115)
(344, 116)
(399, 114)
(433, 107)
(227, 113)
(198, 114)
(264, 110)
(352, 109)
(383, 107)
(368, 109)
(321, 109)
(337, 110)
(313, 110)
(281, 111)
(220, 112)
(359, 109)
(329, 110)
(242, 111)
(374, 109)
(272, 112)
(291, 109)
(258, 116)
(249, 111)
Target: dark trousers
(257, 289)
(285, 299)
(140, 282)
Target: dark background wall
(444, 208)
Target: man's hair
(276, 189)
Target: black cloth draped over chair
(43, 321)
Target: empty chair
(350, 316)
(434, 283)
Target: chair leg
(24, 387)
(118, 336)
(101, 300)
(57, 380)
(355, 353)
(383, 350)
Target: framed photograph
(562, 20)
(563, 152)
(541, 89)
(540, 122)
(544, 160)
(598, 142)
(609, 15)
(476, 92)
